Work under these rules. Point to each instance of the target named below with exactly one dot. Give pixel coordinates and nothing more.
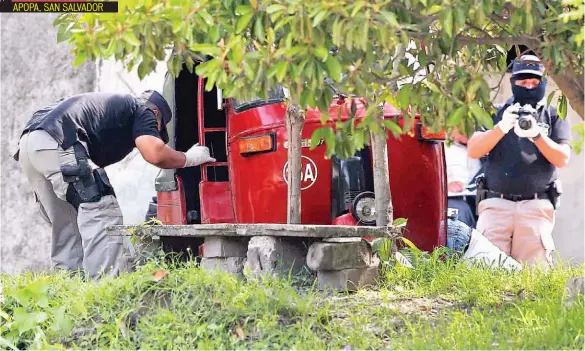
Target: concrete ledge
(272, 255)
(248, 230)
(234, 265)
(219, 246)
(327, 256)
(348, 279)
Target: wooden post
(294, 127)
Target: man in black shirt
(518, 211)
(63, 150)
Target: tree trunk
(571, 85)
(384, 209)
(294, 127)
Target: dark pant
(466, 214)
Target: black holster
(481, 192)
(85, 184)
(554, 192)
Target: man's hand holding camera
(521, 119)
(509, 118)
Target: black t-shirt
(516, 166)
(108, 123)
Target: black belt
(513, 197)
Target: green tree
(419, 55)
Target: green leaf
(295, 50)
(562, 106)
(243, 22)
(456, 116)
(399, 221)
(483, 117)
(392, 126)
(357, 7)
(333, 68)
(207, 49)
(432, 86)
(320, 16)
(205, 16)
(80, 59)
(404, 97)
(281, 69)
(550, 97)
(446, 20)
(304, 98)
(390, 17)
(274, 8)
(259, 29)
(321, 52)
(142, 69)
(410, 244)
(63, 32)
(432, 10)
(62, 324)
(243, 10)
(318, 134)
(130, 38)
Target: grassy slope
(437, 305)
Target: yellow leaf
(159, 274)
(240, 333)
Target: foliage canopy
(446, 48)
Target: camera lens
(524, 123)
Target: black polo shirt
(516, 166)
(108, 123)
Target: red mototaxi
(247, 184)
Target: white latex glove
(197, 155)
(509, 118)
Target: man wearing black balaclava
(528, 143)
(63, 150)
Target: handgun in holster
(480, 192)
(83, 186)
(554, 192)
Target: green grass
(441, 304)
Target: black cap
(528, 66)
(163, 108)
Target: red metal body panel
(216, 202)
(418, 189)
(257, 181)
(171, 205)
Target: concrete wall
(569, 227)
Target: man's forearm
(557, 154)
(483, 142)
(171, 159)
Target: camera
(526, 117)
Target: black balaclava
(525, 96)
(528, 66)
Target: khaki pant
(78, 237)
(521, 229)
